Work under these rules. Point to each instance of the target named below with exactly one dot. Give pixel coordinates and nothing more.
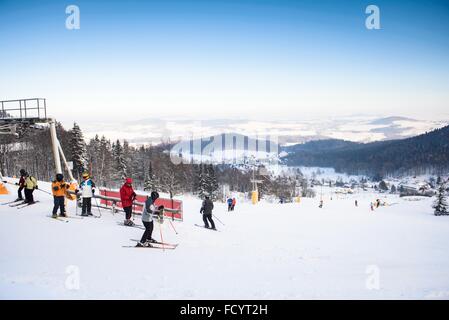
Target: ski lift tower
(17, 116)
(255, 192)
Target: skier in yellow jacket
(30, 184)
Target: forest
(151, 168)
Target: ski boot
(128, 223)
(62, 215)
(54, 215)
(84, 214)
(147, 243)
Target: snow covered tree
(383, 186)
(207, 182)
(119, 161)
(78, 150)
(212, 183)
(151, 181)
(202, 181)
(440, 205)
(393, 189)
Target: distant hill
(429, 151)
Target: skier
(206, 210)
(377, 203)
(372, 207)
(127, 197)
(356, 203)
(21, 184)
(87, 192)
(233, 204)
(149, 211)
(321, 204)
(30, 184)
(59, 189)
(229, 204)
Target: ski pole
(44, 191)
(98, 207)
(162, 239)
(173, 227)
(76, 204)
(217, 219)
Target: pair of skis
(200, 226)
(12, 202)
(155, 245)
(64, 219)
(22, 204)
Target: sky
(229, 59)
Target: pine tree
(440, 205)
(383, 186)
(202, 181)
(212, 183)
(151, 181)
(78, 149)
(119, 161)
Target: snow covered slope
(267, 251)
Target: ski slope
(267, 251)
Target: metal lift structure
(17, 116)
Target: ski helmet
(129, 181)
(22, 172)
(59, 177)
(154, 195)
(85, 175)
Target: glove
(161, 207)
(36, 187)
(76, 191)
(55, 188)
(93, 191)
(16, 183)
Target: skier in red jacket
(127, 196)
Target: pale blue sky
(227, 59)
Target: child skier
(127, 197)
(87, 192)
(21, 184)
(30, 184)
(229, 204)
(147, 219)
(59, 189)
(206, 210)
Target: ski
(160, 243)
(200, 226)
(11, 202)
(58, 219)
(17, 204)
(138, 226)
(153, 247)
(24, 205)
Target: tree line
(150, 166)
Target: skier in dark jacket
(206, 210)
(148, 214)
(229, 204)
(21, 184)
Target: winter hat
(22, 172)
(59, 177)
(129, 181)
(154, 195)
(85, 175)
